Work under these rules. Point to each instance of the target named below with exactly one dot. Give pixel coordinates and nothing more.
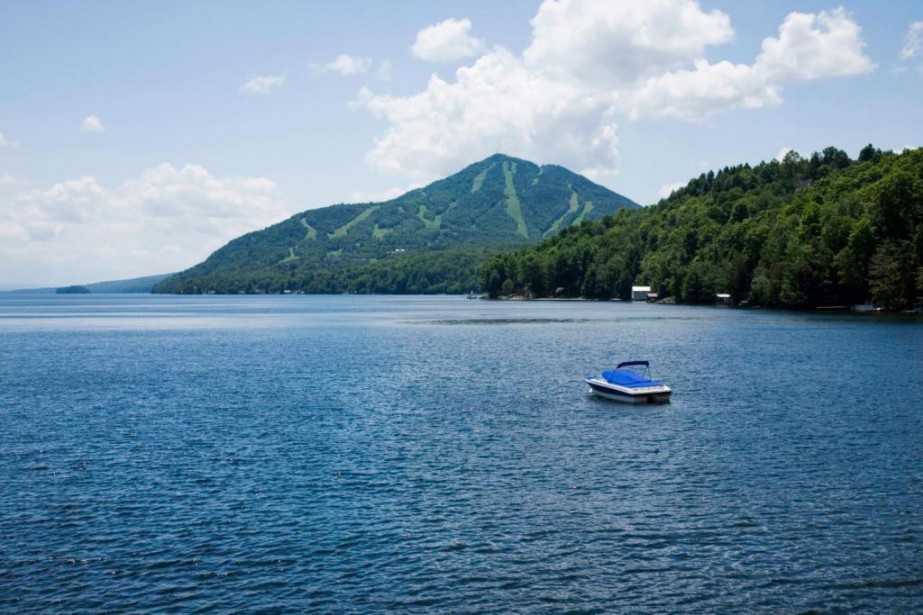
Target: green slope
(498, 203)
(133, 285)
(805, 232)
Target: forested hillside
(431, 240)
(804, 232)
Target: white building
(640, 293)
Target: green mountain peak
(431, 239)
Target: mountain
(798, 233)
(429, 240)
(133, 285)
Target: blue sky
(138, 137)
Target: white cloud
(706, 90)
(91, 123)
(590, 65)
(618, 43)
(385, 70)
(10, 180)
(495, 105)
(913, 41)
(68, 202)
(808, 47)
(263, 85)
(6, 143)
(167, 219)
(344, 64)
(814, 46)
(782, 153)
(447, 41)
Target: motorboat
(630, 382)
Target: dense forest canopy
(797, 233)
(431, 240)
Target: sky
(138, 137)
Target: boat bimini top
(630, 378)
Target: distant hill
(430, 240)
(133, 285)
(824, 230)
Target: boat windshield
(629, 378)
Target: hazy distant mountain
(428, 240)
(133, 285)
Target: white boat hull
(659, 394)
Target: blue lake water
(375, 454)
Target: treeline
(798, 233)
(450, 271)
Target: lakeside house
(641, 293)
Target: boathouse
(640, 293)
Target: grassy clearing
(479, 179)
(587, 208)
(344, 230)
(433, 224)
(572, 209)
(291, 257)
(312, 232)
(513, 206)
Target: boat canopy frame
(646, 364)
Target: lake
(436, 454)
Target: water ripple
(361, 454)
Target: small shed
(640, 293)
(723, 299)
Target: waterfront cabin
(640, 293)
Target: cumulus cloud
(263, 85)
(617, 43)
(808, 47)
(913, 41)
(495, 105)
(705, 90)
(590, 65)
(447, 41)
(69, 202)
(91, 123)
(344, 64)
(813, 46)
(166, 219)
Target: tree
(762, 233)
(869, 153)
(892, 276)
